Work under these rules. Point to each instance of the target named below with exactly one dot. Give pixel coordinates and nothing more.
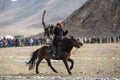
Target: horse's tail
(33, 59)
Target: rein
(75, 51)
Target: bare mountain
(95, 18)
(24, 16)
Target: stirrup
(53, 55)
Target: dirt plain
(91, 62)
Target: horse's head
(75, 42)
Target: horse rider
(58, 35)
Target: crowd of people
(40, 41)
(101, 39)
(21, 42)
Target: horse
(41, 53)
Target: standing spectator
(98, 40)
(85, 40)
(108, 40)
(1, 43)
(16, 41)
(117, 39)
(5, 42)
(112, 39)
(31, 42)
(11, 42)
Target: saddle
(54, 51)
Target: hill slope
(24, 16)
(96, 18)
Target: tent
(9, 37)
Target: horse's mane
(67, 41)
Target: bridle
(76, 48)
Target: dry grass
(91, 61)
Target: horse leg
(49, 64)
(72, 63)
(66, 64)
(37, 64)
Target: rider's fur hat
(60, 24)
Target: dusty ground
(92, 62)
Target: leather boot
(53, 51)
(59, 52)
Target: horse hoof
(70, 73)
(56, 71)
(37, 72)
(71, 68)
